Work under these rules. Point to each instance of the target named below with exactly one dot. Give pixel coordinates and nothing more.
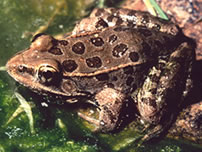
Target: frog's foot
(151, 134)
(110, 103)
(91, 120)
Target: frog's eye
(48, 75)
(37, 35)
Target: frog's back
(112, 49)
(102, 18)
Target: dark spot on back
(55, 51)
(69, 65)
(101, 24)
(102, 77)
(145, 32)
(78, 48)
(129, 81)
(63, 42)
(112, 38)
(119, 50)
(94, 62)
(97, 41)
(128, 70)
(134, 57)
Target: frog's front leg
(110, 102)
(162, 92)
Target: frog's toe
(100, 125)
(89, 119)
(152, 132)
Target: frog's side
(109, 65)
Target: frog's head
(41, 70)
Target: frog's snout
(14, 63)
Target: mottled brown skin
(109, 17)
(126, 54)
(189, 123)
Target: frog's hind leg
(162, 92)
(110, 102)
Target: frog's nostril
(21, 68)
(14, 64)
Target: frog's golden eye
(48, 75)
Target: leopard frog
(119, 54)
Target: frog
(122, 54)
